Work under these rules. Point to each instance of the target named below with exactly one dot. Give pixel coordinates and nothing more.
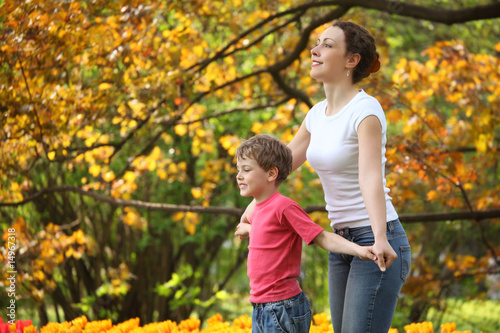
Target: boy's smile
(254, 181)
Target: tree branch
(406, 218)
(239, 109)
(434, 14)
(131, 203)
(432, 217)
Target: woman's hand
(385, 254)
(243, 229)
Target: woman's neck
(338, 96)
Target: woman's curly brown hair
(359, 40)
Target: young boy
(277, 227)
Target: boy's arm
(243, 230)
(335, 243)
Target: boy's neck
(265, 195)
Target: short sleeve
(298, 221)
(370, 107)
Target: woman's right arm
(299, 145)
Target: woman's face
(328, 56)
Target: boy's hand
(243, 230)
(366, 253)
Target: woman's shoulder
(317, 108)
(367, 99)
(366, 102)
(367, 105)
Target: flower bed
(243, 324)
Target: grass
(474, 315)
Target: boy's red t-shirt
(279, 225)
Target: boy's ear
(272, 174)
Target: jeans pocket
(301, 324)
(278, 320)
(405, 254)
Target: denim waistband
(282, 302)
(362, 230)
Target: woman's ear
(352, 60)
(272, 174)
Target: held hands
(385, 254)
(243, 229)
(384, 260)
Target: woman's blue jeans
(291, 315)
(363, 298)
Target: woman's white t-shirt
(333, 154)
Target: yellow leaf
(95, 169)
(257, 128)
(136, 107)
(190, 228)
(39, 275)
(14, 187)
(180, 130)
(69, 252)
(51, 155)
(109, 176)
(261, 61)
(151, 165)
(104, 86)
(178, 216)
(432, 195)
(482, 143)
(162, 174)
(129, 177)
(156, 153)
(196, 192)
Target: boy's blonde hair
(268, 152)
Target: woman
(343, 138)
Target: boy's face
(252, 179)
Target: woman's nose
(314, 51)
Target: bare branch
(432, 217)
(130, 203)
(243, 109)
(408, 218)
(434, 14)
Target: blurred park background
(119, 122)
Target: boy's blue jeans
(362, 298)
(291, 315)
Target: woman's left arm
(372, 188)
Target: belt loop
(390, 227)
